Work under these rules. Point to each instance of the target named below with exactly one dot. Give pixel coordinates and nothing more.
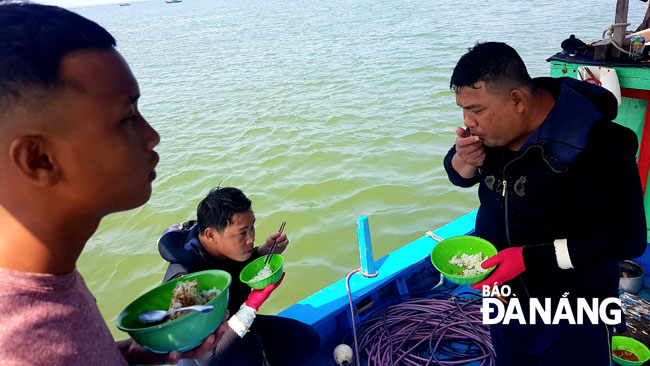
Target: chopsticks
(268, 256)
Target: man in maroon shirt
(73, 149)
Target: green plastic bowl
(456, 246)
(184, 333)
(632, 345)
(252, 268)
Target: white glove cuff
(562, 254)
(242, 320)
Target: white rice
(202, 297)
(469, 265)
(262, 274)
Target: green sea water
(320, 111)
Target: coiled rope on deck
(440, 329)
(427, 332)
(609, 33)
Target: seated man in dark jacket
(222, 238)
(560, 197)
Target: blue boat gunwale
(333, 299)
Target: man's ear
(520, 100)
(33, 157)
(210, 234)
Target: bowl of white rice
(258, 275)
(459, 258)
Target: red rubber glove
(510, 265)
(257, 297)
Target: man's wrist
(463, 169)
(134, 354)
(262, 250)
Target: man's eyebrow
(471, 106)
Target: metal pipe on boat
(365, 247)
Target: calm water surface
(319, 111)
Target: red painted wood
(644, 148)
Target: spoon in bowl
(151, 316)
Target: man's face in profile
(106, 147)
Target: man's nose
(469, 119)
(151, 137)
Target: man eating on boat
(222, 237)
(560, 196)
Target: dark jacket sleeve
(610, 222)
(175, 270)
(454, 177)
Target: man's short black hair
(217, 209)
(496, 64)
(33, 40)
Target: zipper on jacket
(505, 202)
(504, 192)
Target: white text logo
(495, 311)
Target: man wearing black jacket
(560, 196)
(223, 238)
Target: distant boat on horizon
(124, 4)
(172, 1)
